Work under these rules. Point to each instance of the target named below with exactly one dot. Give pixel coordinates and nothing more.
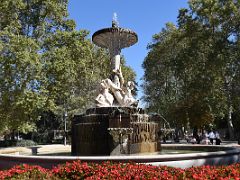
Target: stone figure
(116, 62)
(117, 77)
(115, 39)
(105, 98)
(128, 97)
(123, 96)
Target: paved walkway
(54, 149)
(230, 143)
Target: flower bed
(108, 170)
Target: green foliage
(45, 63)
(19, 77)
(25, 143)
(192, 69)
(17, 143)
(24, 28)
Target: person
(218, 139)
(198, 138)
(193, 140)
(211, 136)
(205, 139)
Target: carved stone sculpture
(105, 98)
(115, 39)
(116, 126)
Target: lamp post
(65, 127)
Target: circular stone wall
(220, 155)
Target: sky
(145, 17)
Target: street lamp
(65, 128)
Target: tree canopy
(45, 63)
(192, 68)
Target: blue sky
(145, 17)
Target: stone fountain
(116, 125)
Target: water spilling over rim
(115, 35)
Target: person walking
(218, 139)
(211, 136)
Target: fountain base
(114, 131)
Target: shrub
(25, 142)
(108, 170)
(18, 143)
(25, 172)
(7, 143)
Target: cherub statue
(128, 99)
(123, 95)
(105, 98)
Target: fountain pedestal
(96, 132)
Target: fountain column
(115, 64)
(115, 39)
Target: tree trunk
(230, 124)
(230, 108)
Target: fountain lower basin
(210, 155)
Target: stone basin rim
(137, 158)
(113, 30)
(228, 155)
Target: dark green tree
(45, 63)
(201, 56)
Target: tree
(201, 51)
(222, 18)
(45, 63)
(161, 85)
(24, 27)
(20, 71)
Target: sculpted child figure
(105, 98)
(123, 95)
